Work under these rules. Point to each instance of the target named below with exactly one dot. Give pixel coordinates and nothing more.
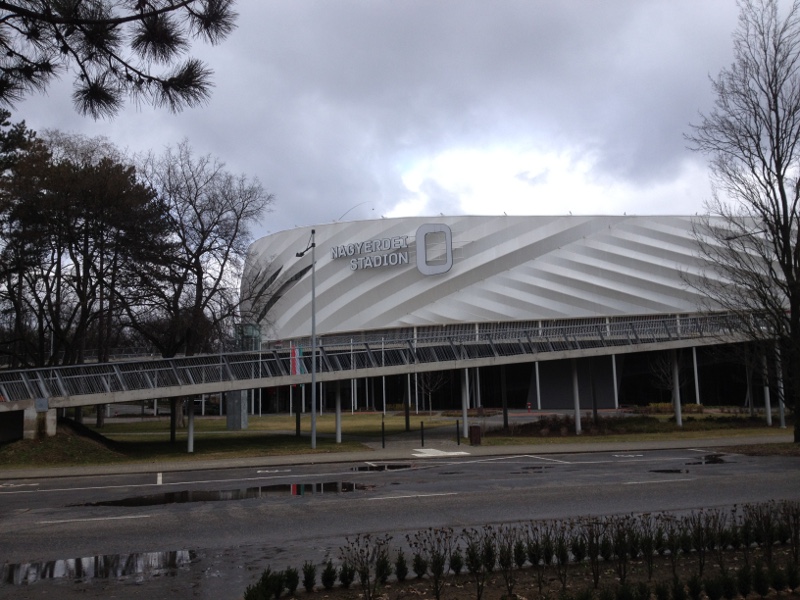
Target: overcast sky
(356, 109)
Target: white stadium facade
(539, 277)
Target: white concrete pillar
(676, 390)
(416, 394)
(538, 387)
(190, 427)
(465, 402)
(38, 424)
(478, 401)
(614, 379)
(576, 397)
(767, 399)
(236, 405)
(338, 412)
(696, 376)
(779, 371)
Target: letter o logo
(440, 236)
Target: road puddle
(669, 470)
(709, 459)
(266, 491)
(139, 566)
(537, 468)
(386, 467)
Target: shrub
(729, 587)
(792, 575)
(328, 576)
(777, 578)
(678, 591)
(744, 580)
(419, 565)
(662, 591)
(369, 556)
(347, 573)
(309, 576)
(383, 566)
(760, 580)
(291, 578)
(695, 587)
(456, 561)
(641, 591)
(400, 566)
(713, 588)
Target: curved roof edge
(402, 273)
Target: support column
(173, 419)
(338, 412)
(614, 380)
(416, 394)
(236, 403)
(676, 390)
(576, 397)
(779, 371)
(478, 401)
(504, 396)
(767, 399)
(38, 424)
(190, 427)
(407, 402)
(538, 387)
(465, 402)
(696, 376)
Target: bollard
(383, 433)
(422, 432)
(458, 437)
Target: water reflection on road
(140, 565)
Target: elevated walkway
(44, 389)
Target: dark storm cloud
(330, 102)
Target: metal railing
(344, 356)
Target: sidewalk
(406, 449)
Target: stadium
(543, 280)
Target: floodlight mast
(311, 246)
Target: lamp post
(311, 245)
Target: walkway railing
(346, 356)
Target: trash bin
(474, 435)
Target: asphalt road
(229, 524)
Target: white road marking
(95, 519)
(275, 471)
(555, 460)
(413, 496)
(17, 485)
(145, 485)
(658, 481)
(433, 453)
(627, 455)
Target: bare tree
(211, 212)
(752, 139)
(117, 48)
(430, 382)
(189, 306)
